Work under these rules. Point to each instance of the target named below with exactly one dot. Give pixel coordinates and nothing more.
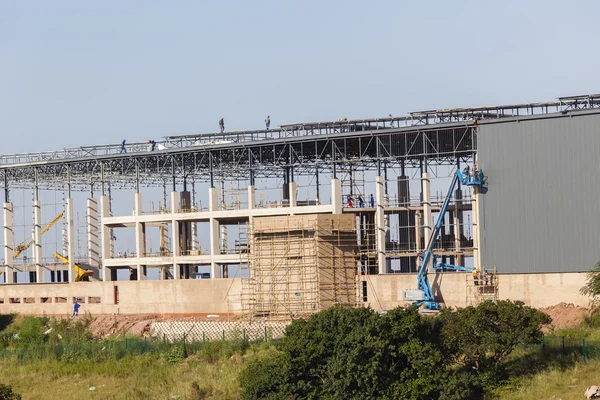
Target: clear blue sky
(89, 72)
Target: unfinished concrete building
(201, 224)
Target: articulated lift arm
(423, 294)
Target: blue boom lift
(423, 294)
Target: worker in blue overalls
(76, 308)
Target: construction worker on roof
(222, 124)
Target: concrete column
(476, 238)
(336, 196)
(175, 243)
(92, 233)
(106, 239)
(459, 257)
(418, 232)
(251, 197)
(214, 247)
(140, 236)
(427, 228)
(380, 227)
(71, 239)
(427, 215)
(174, 202)
(213, 205)
(9, 243)
(293, 195)
(37, 241)
(213, 199)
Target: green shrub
(214, 351)
(175, 355)
(265, 376)
(6, 393)
(479, 338)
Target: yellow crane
(25, 244)
(81, 273)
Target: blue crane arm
(423, 282)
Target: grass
(553, 383)
(214, 369)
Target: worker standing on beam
(123, 149)
(268, 122)
(222, 124)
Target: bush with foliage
(479, 338)
(592, 285)
(6, 393)
(359, 354)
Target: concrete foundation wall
(536, 290)
(221, 296)
(195, 296)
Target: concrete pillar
(71, 239)
(194, 239)
(214, 247)
(418, 244)
(476, 238)
(380, 227)
(106, 239)
(9, 243)
(336, 196)
(251, 197)
(293, 195)
(92, 233)
(426, 196)
(175, 243)
(459, 257)
(213, 199)
(140, 236)
(37, 241)
(213, 231)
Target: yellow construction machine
(25, 244)
(81, 274)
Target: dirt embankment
(139, 324)
(566, 315)
(120, 325)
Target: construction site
(440, 208)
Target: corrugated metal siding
(541, 212)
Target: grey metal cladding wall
(541, 212)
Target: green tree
(353, 354)
(592, 285)
(479, 338)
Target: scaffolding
(299, 265)
(482, 285)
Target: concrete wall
(193, 296)
(536, 290)
(540, 212)
(211, 295)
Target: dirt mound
(566, 315)
(121, 325)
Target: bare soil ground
(566, 315)
(139, 324)
(121, 325)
